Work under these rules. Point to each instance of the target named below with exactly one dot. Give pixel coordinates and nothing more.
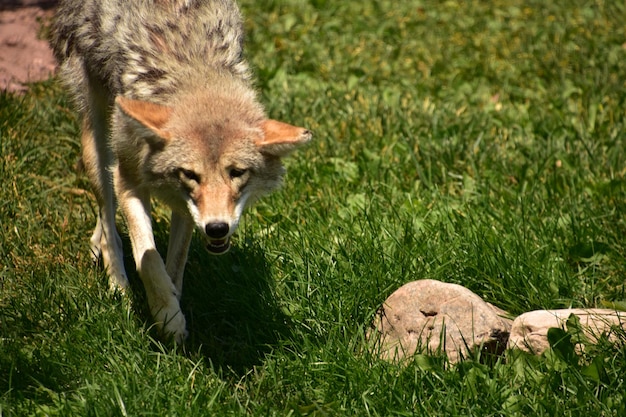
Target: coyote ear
(150, 116)
(280, 138)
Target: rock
(433, 316)
(530, 330)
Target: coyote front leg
(160, 290)
(97, 160)
(181, 229)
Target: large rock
(530, 330)
(433, 316)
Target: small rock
(530, 330)
(435, 316)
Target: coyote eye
(189, 175)
(236, 172)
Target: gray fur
(147, 49)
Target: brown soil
(24, 56)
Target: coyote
(168, 111)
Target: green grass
(475, 142)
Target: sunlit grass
(479, 143)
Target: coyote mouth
(218, 246)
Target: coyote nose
(217, 230)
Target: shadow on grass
(233, 316)
(232, 313)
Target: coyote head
(207, 157)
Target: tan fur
(168, 112)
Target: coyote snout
(168, 111)
(219, 237)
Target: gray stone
(431, 316)
(530, 330)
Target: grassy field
(474, 142)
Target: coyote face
(210, 170)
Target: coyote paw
(95, 246)
(171, 323)
(118, 283)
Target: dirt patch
(24, 56)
